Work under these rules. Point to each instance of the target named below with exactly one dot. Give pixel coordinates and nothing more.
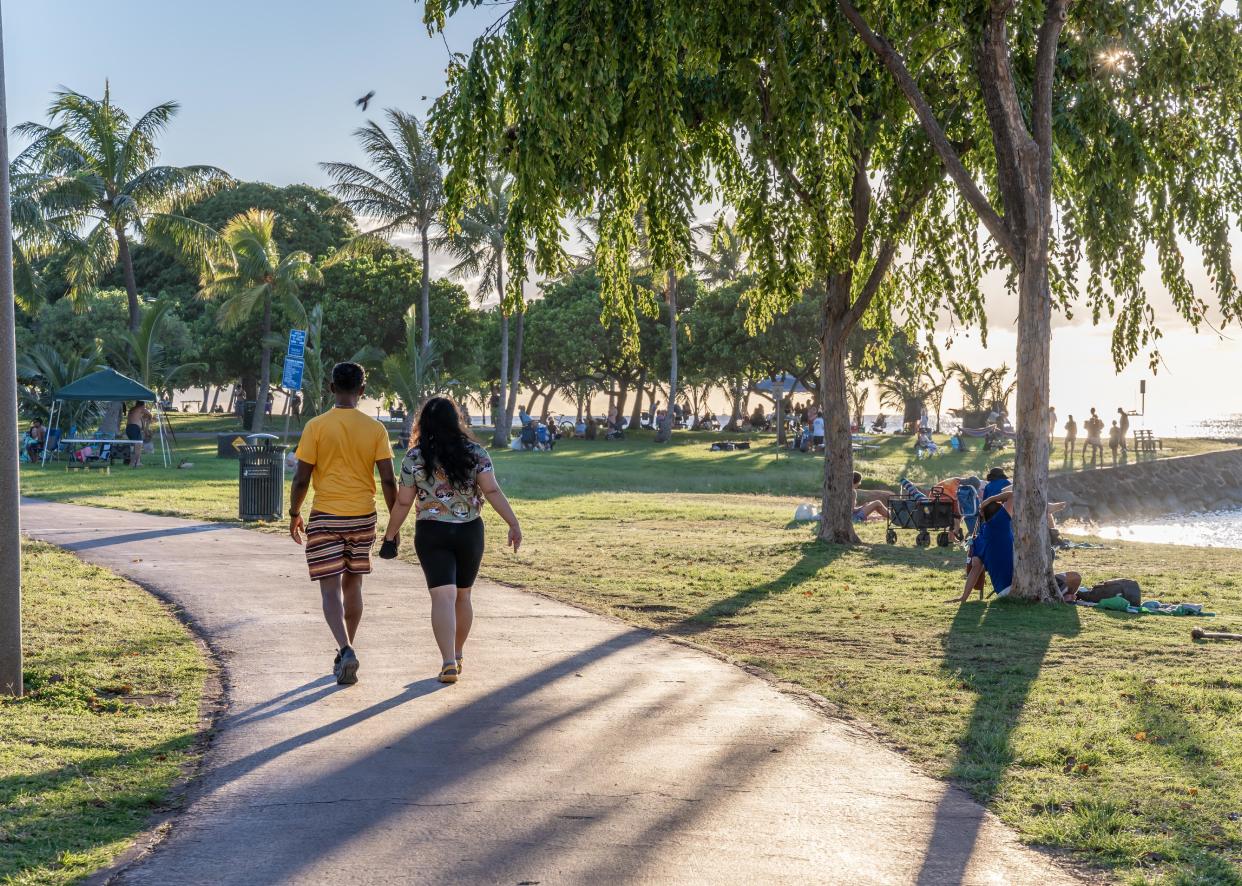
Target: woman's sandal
(448, 673)
(460, 659)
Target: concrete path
(575, 749)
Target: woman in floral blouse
(445, 477)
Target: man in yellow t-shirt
(338, 455)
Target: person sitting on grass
(862, 512)
(992, 552)
(36, 436)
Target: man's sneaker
(347, 671)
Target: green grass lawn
(109, 720)
(1112, 736)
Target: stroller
(924, 513)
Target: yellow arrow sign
(238, 443)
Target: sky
(267, 90)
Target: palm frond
(236, 308)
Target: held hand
(388, 550)
(297, 529)
(515, 537)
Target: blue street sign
(292, 379)
(297, 344)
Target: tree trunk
(636, 414)
(503, 430)
(623, 395)
(215, 400)
(535, 393)
(836, 506)
(131, 285)
(265, 369)
(1032, 572)
(736, 419)
(424, 306)
(547, 402)
(206, 397)
(515, 377)
(500, 437)
(780, 418)
(666, 427)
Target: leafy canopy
(606, 107)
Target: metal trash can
(261, 479)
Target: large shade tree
(1122, 114)
(253, 278)
(782, 112)
(118, 192)
(403, 192)
(1112, 133)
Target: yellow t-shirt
(344, 445)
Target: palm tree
(905, 392)
(857, 393)
(40, 223)
(414, 373)
(405, 192)
(254, 276)
(724, 259)
(45, 370)
(142, 355)
(983, 389)
(111, 186)
(479, 247)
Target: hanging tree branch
(935, 132)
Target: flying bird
(365, 100)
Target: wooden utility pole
(10, 494)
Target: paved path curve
(575, 749)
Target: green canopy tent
(108, 385)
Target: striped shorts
(335, 545)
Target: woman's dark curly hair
(444, 441)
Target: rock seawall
(1208, 482)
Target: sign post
(295, 365)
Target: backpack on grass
(1114, 587)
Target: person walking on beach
(135, 424)
(1114, 440)
(1071, 435)
(338, 455)
(445, 476)
(1123, 427)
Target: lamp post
(10, 529)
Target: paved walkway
(575, 749)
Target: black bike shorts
(450, 553)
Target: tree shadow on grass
(813, 556)
(996, 652)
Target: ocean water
(1212, 529)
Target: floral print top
(437, 499)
